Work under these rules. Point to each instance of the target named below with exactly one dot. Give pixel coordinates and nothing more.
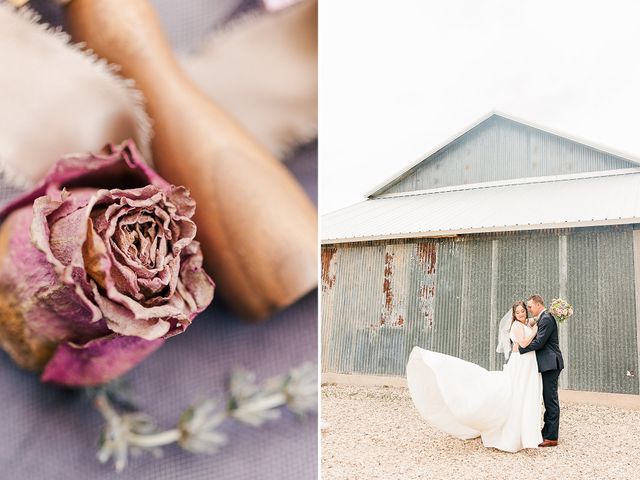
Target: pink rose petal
(100, 361)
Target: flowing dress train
(466, 401)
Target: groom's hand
(542, 335)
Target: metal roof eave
(493, 229)
(513, 182)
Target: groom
(550, 363)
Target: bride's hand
(535, 327)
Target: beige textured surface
(620, 400)
(376, 433)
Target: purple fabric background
(51, 433)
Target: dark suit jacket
(546, 344)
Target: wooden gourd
(257, 227)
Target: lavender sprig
(254, 405)
(199, 427)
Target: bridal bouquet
(561, 309)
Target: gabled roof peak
(485, 118)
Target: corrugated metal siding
(357, 303)
(381, 299)
(476, 338)
(421, 306)
(500, 149)
(602, 334)
(329, 258)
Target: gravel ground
(375, 432)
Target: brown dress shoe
(548, 443)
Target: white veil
(504, 342)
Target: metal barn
(437, 254)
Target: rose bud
(94, 278)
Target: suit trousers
(551, 405)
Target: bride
(465, 400)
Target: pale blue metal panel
(475, 310)
(602, 334)
(501, 149)
(448, 299)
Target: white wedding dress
(466, 401)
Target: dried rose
(93, 280)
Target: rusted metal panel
(425, 262)
(421, 296)
(500, 149)
(380, 346)
(329, 261)
(328, 275)
(397, 266)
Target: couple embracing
(502, 407)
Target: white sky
(399, 78)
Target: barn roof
(629, 159)
(576, 200)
